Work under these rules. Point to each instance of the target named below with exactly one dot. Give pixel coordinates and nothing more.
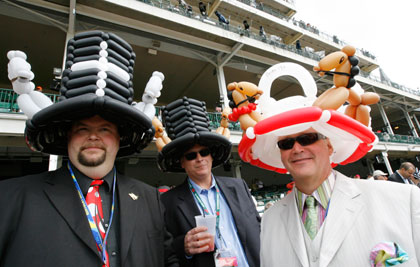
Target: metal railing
(8, 103)
(397, 138)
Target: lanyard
(203, 207)
(96, 235)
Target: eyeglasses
(192, 155)
(303, 140)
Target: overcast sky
(390, 30)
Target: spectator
(262, 33)
(298, 46)
(222, 18)
(404, 174)
(196, 152)
(246, 25)
(203, 9)
(380, 175)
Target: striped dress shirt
(322, 196)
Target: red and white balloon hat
(350, 139)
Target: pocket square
(387, 254)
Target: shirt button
(314, 258)
(106, 225)
(114, 253)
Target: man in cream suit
(357, 214)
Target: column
(410, 124)
(55, 162)
(386, 161)
(385, 119)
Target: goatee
(91, 162)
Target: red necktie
(94, 203)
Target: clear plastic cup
(208, 221)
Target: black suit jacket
(180, 209)
(395, 177)
(42, 223)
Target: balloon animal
(20, 74)
(242, 96)
(345, 64)
(224, 123)
(151, 94)
(162, 138)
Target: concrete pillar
(222, 86)
(410, 123)
(55, 162)
(236, 169)
(386, 161)
(385, 119)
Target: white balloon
(27, 105)
(41, 100)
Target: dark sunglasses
(303, 140)
(192, 155)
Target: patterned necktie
(311, 221)
(94, 203)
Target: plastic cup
(208, 221)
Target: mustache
(92, 145)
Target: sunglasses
(192, 155)
(303, 140)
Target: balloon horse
(20, 74)
(242, 96)
(162, 138)
(345, 64)
(224, 123)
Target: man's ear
(182, 162)
(330, 147)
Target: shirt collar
(401, 175)
(85, 181)
(322, 194)
(198, 189)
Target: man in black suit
(196, 152)
(404, 174)
(48, 220)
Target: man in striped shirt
(330, 219)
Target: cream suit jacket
(362, 213)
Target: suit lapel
(187, 204)
(230, 193)
(292, 222)
(61, 191)
(131, 204)
(345, 207)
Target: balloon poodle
(242, 96)
(20, 74)
(147, 106)
(151, 94)
(224, 123)
(345, 64)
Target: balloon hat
(350, 139)
(187, 124)
(97, 81)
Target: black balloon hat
(187, 124)
(97, 81)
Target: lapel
(345, 207)
(292, 222)
(187, 205)
(130, 207)
(230, 194)
(62, 193)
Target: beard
(91, 161)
